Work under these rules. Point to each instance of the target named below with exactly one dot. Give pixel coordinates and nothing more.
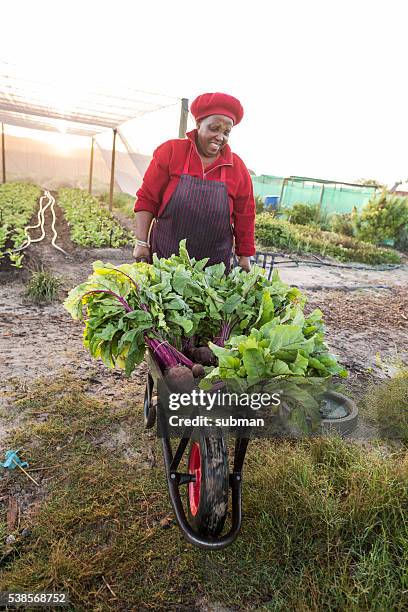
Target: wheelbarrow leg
(149, 407)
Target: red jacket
(163, 174)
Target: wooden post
(3, 153)
(112, 179)
(183, 118)
(91, 166)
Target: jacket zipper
(215, 168)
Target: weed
(387, 405)
(42, 288)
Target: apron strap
(187, 162)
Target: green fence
(334, 197)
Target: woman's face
(213, 133)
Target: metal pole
(112, 179)
(91, 166)
(321, 196)
(281, 193)
(3, 152)
(183, 118)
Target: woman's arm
(143, 222)
(244, 220)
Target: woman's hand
(141, 253)
(244, 263)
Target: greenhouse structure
(333, 196)
(104, 123)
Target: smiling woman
(199, 190)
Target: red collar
(225, 157)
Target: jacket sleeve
(244, 216)
(155, 181)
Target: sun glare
(62, 142)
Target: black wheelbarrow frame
(175, 478)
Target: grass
(387, 406)
(279, 234)
(42, 287)
(324, 521)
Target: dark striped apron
(198, 211)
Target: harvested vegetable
(188, 314)
(179, 378)
(203, 355)
(198, 370)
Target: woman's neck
(207, 161)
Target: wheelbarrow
(208, 477)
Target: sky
(323, 84)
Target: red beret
(217, 104)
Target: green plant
(387, 405)
(123, 202)
(401, 242)
(259, 204)
(342, 224)
(16, 259)
(286, 345)
(385, 217)
(91, 225)
(42, 288)
(303, 239)
(17, 205)
(308, 214)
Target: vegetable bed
(18, 202)
(280, 234)
(90, 224)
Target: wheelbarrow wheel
(149, 406)
(207, 497)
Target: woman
(196, 188)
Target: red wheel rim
(194, 467)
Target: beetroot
(203, 355)
(179, 379)
(198, 370)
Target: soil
(40, 340)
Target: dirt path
(313, 278)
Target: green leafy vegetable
(256, 328)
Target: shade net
(59, 120)
(334, 197)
